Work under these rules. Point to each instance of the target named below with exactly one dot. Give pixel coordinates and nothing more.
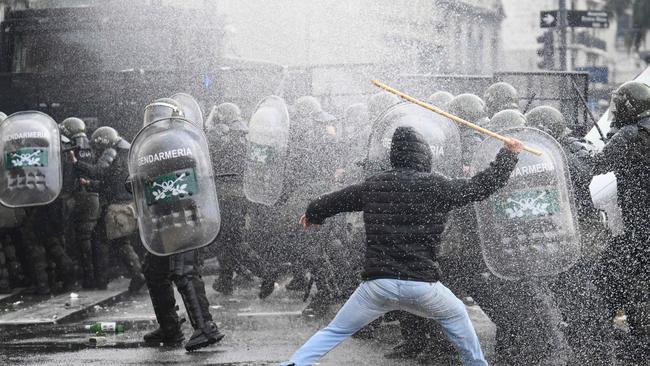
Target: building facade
(603, 50)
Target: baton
(450, 116)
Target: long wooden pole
(449, 115)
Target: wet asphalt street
(258, 332)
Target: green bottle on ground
(106, 327)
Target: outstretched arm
(460, 192)
(345, 200)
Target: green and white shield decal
(263, 154)
(25, 158)
(171, 187)
(528, 205)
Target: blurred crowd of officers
(69, 243)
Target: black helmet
(104, 137)
(468, 107)
(440, 99)
(379, 103)
(307, 106)
(71, 127)
(160, 109)
(508, 118)
(547, 119)
(630, 102)
(228, 113)
(501, 96)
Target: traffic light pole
(563, 35)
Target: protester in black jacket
(405, 210)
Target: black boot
(137, 281)
(206, 331)
(266, 288)
(164, 305)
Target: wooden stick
(450, 116)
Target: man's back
(405, 209)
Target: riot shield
(268, 138)
(31, 160)
(191, 108)
(529, 227)
(173, 187)
(441, 134)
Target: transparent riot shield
(268, 138)
(528, 228)
(441, 133)
(190, 107)
(31, 160)
(173, 187)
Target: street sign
(575, 19)
(548, 19)
(588, 19)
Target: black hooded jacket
(405, 209)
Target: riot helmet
(356, 119)
(468, 107)
(161, 109)
(630, 103)
(506, 119)
(3, 116)
(500, 96)
(191, 109)
(379, 103)
(106, 137)
(225, 114)
(72, 127)
(547, 119)
(440, 99)
(307, 106)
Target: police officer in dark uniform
(86, 211)
(472, 109)
(117, 222)
(182, 269)
(48, 246)
(626, 261)
(583, 308)
(226, 132)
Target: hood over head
(409, 150)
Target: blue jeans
(373, 299)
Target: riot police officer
(86, 211)
(588, 328)
(226, 133)
(43, 254)
(499, 97)
(626, 260)
(183, 269)
(117, 221)
(472, 109)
